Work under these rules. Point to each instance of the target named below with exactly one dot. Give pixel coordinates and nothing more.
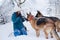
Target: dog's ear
(27, 14)
(38, 11)
(30, 13)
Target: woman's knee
(17, 32)
(24, 32)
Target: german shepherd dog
(55, 20)
(48, 27)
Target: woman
(19, 28)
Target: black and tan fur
(47, 26)
(54, 19)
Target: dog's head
(29, 16)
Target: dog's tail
(55, 34)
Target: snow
(7, 29)
(1, 2)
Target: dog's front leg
(37, 33)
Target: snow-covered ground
(6, 33)
(6, 30)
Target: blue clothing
(18, 24)
(18, 32)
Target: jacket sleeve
(15, 19)
(24, 18)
